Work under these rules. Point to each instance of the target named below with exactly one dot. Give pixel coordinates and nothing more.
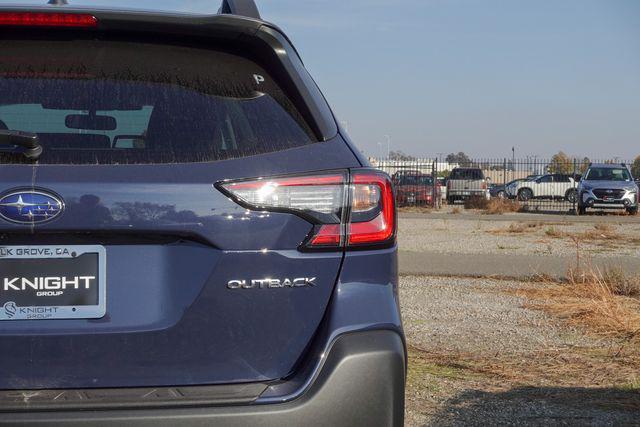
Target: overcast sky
(478, 76)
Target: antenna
(246, 8)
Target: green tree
(399, 155)
(460, 158)
(635, 168)
(584, 165)
(561, 163)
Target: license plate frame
(48, 289)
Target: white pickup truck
(550, 186)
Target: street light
(388, 145)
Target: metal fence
(543, 185)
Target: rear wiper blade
(27, 141)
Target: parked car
(397, 176)
(607, 186)
(416, 190)
(550, 186)
(464, 183)
(198, 243)
(501, 190)
(442, 182)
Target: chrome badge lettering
(300, 282)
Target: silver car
(464, 183)
(608, 186)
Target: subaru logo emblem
(30, 206)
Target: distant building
(423, 166)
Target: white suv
(550, 186)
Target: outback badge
(300, 282)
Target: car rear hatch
(466, 182)
(185, 284)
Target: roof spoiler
(245, 8)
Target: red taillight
(38, 19)
(380, 228)
(355, 214)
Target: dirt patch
(481, 353)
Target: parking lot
(493, 335)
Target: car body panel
(199, 326)
(548, 186)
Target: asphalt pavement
(507, 265)
(502, 265)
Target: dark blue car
(186, 235)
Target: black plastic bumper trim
(360, 384)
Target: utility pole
(388, 144)
(513, 163)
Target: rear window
(116, 102)
(415, 180)
(466, 174)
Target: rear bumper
(466, 194)
(360, 382)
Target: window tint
(415, 180)
(474, 174)
(608, 174)
(546, 178)
(561, 178)
(169, 103)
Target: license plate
(52, 282)
(411, 199)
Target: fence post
(434, 185)
(575, 191)
(504, 176)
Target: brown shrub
(553, 232)
(492, 206)
(500, 206)
(476, 202)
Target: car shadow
(542, 406)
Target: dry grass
(500, 206)
(523, 227)
(415, 209)
(492, 206)
(456, 210)
(554, 232)
(476, 202)
(604, 235)
(605, 303)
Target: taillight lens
(354, 211)
(372, 219)
(39, 19)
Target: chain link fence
(538, 185)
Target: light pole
(388, 145)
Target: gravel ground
(468, 236)
(465, 316)
(477, 357)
